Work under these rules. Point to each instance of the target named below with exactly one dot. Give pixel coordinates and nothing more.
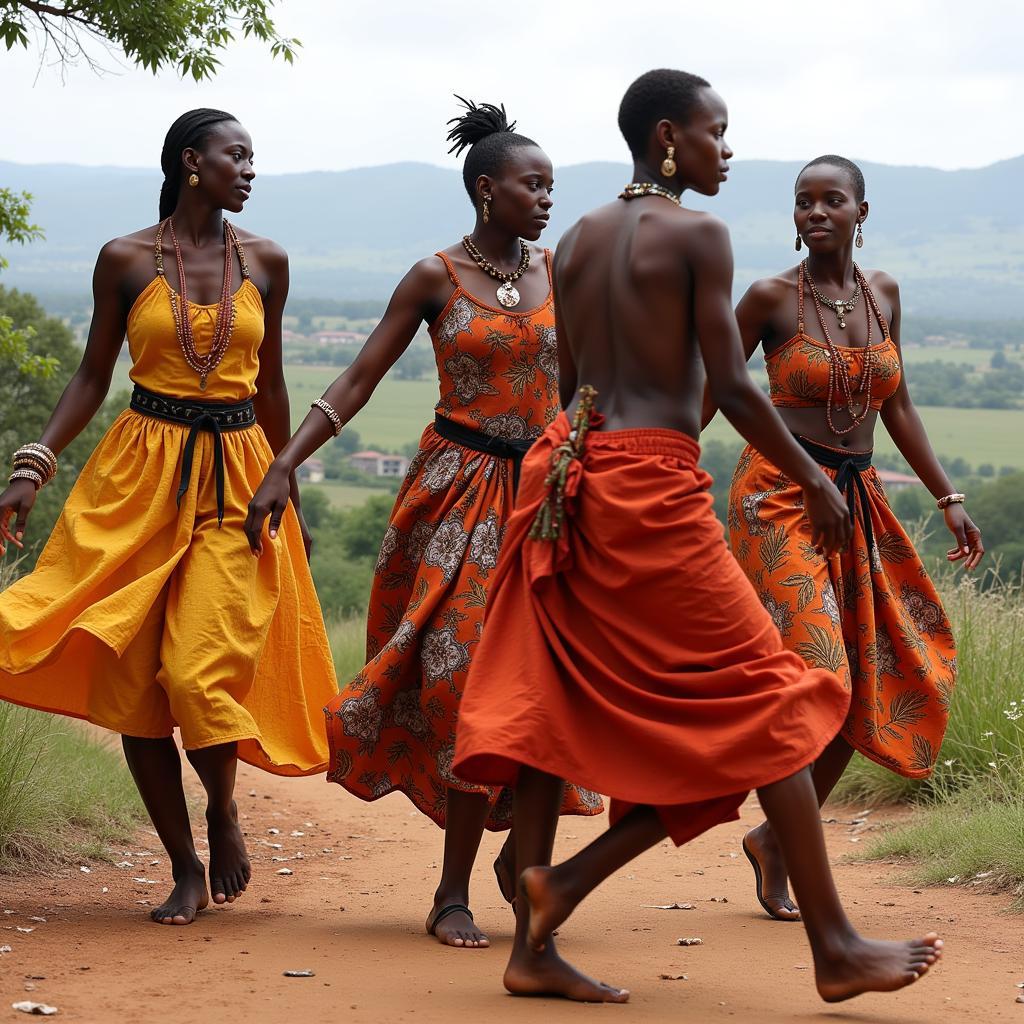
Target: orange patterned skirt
(873, 617)
(393, 726)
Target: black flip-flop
(452, 908)
(759, 887)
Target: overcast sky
(939, 83)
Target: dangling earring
(860, 236)
(193, 180)
(799, 243)
(487, 209)
(668, 165)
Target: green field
(344, 495)
(399, 410)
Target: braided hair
(655, 96)
(848, 167)
(485, 131)
(190, 131)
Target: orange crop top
(798, 371)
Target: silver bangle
(328, 410)
(951, 499)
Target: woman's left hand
(968, 536)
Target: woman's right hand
(831, 528)
(16, 501)
(271, 499)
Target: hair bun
(477, 123)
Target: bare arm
(751, 315)
(907, 431)
(88, 386)
(350, 392)
(741, 401)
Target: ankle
(187, 866)
(224, 815)
(835, 946)
(447, 894)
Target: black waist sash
(478, 441)
(848, 466)
(211, 416)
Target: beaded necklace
(508, 295)
(838, 372)
(638, 189)
(224, 325)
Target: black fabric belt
(210, 416)
(848, 466)
(478, 441)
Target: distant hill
(954, 239)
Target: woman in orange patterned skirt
(393, 726)
(870, 614)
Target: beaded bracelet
(951, 499)
(26, 474)
(37, 459)
(328, 410)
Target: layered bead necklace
(838, 372)
(224, 324)
(508, 295)
(638, 189)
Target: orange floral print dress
(870, 613)
(393, 726)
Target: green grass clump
(63, 795)
(975, 840)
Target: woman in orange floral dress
(393, 726)
(870, 614)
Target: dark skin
(125, 267)
(826, 213)
(519, 201)
(643, 292)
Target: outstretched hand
(968, 537)
(270, 499)
(831, 528)
(16, 501)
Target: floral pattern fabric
(393, 726)
(872, 617)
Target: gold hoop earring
(799, 243)
(487, 209)
(860, 236)
(668, 165)
(193, 180)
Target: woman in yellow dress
(147, 610)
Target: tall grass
(63, 794)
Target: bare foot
(545, 973)
(772, 883)
(229, 863)
(869, 966)
(187, 898)
(452, 925)
(549, 905)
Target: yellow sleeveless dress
(142, 615)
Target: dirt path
(352, 911)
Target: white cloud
(936, 83)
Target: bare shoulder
(430, 273)
(768, 292)
(884, 283)
(269, 254)
(122, 253)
